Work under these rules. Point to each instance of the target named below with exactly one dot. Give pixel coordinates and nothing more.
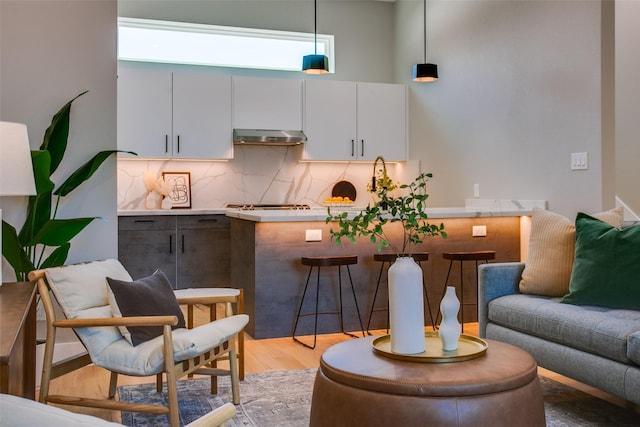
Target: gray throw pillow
(149, 296)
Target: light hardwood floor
(260, 356)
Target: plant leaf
(57, 232)
(85, 172)
(57, 257)
(57, 134)
(13, 251)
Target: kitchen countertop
(217, 211)
(474, 208)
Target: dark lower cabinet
(192, 250)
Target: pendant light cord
(315, 27)
(424, 15)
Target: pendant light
(315, 64)
(425, 72)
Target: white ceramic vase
(449, 330)
(152, 201)
(406, 308)
(167, 203)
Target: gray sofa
(594, 345)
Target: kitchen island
(266, 247)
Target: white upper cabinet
(144, 112)
(201, 116)
(330, 120)
(174, 115)
(266, 103)
(355, 121)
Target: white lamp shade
(16, 169)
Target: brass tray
(469, 347)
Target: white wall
(627, 106)
(519, 91)
(51, 51)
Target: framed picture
(179, 189)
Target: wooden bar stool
(461, 257)
(327, 261)
(388, 259)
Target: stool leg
(375, 295)
(304, 293)
(355, 300)
(340, 297)
(444, 289)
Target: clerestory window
(197, 44)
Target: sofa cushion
(551, 251)
(597, 330)
(633, 347)
(606, 270)
(149, 296)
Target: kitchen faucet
(384, 173)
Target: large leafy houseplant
(44, 240)
(408, 209)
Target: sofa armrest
(494, 281)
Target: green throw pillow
(606, 270)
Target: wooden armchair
(81, 290)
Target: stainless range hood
(268, 137)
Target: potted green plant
(405, 276)
(44, 240)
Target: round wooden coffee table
(356, 387)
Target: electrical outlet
(479, 231)
(313, 235)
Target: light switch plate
(313, 235)
(579, 161)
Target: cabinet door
(204, 246)
(382, 121)
(202, 116)
(144, 112)
(148, 243)
(330, 120)
(261, 103)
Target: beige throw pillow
(551, 251)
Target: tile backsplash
(254, 175)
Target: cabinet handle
(178, 143)
(362, 148)
(208, 220)
(144, 220)
(352, 147)
(170, 244)
(183, 243)
(166, 143)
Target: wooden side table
(18, 339)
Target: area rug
(283, 399)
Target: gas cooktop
(264, 207)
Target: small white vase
(167, 203)
(406, 308)
(152, 201)
(449, 330)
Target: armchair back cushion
(81, 291)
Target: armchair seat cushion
(147, 358)
(597, 330)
